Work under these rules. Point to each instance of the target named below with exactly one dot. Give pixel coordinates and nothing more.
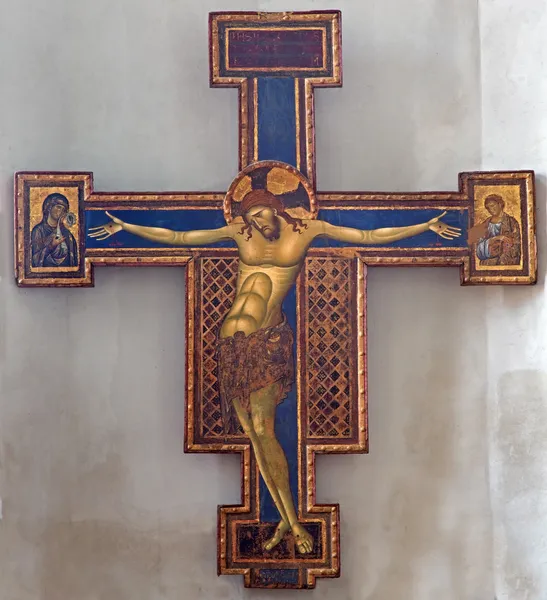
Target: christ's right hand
(102, 232)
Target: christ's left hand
(442, 229)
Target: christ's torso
(267, 271)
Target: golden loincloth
(249, 363)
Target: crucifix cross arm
(315, 228)
(387, 235)
(276, 283)
(162, 235)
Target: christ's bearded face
(265, 220)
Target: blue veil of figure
(52, 243)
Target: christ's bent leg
(263, 406)
(248, 428)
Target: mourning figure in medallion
(497, 239)
(255, 348)
(52, 243)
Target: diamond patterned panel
(218, 286)
(329, 347)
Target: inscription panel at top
(276, 48)
(306, 47)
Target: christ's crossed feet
(303, 540)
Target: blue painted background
(179, 220)
(276, 120)
(285, 428)
(211, 219)
(367, 219)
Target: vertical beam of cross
(276, 62)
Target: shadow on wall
(519, 455)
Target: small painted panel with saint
(497, 239)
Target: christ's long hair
(265, 198)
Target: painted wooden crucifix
(276, 274)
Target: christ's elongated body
(272, 247)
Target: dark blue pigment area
(277, 119)
(285, 428)
(178, 220)
(280, 576)
(187, 220)
(378, 219)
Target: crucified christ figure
(255, 354)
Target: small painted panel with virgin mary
(52, 244)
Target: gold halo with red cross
(282, 180)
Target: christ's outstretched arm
(163, 236)
(385, 235)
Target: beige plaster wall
(99, 503)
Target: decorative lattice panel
(328, 352)
(218, 287)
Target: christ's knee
(264, 428)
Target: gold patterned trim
(345, 251)
(255, 119)
(140, 201)
(448, 197)
(298, 125)
(333, 17)
(243, 124)
(310, 131)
